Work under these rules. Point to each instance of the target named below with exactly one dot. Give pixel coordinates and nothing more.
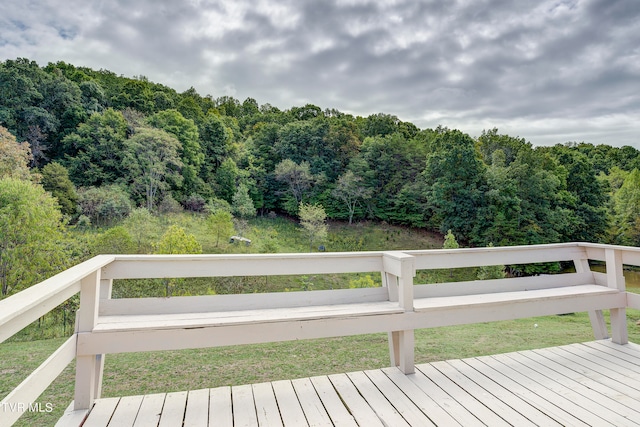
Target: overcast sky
(549, 71)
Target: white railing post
(615, 279)
(106, 285)
(87, 366)
(399, 271)
(598, 324)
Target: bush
(194, 203)
(169, 205)
(104, 205)
(116, 240)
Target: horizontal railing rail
(94, 278)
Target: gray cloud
(550, 71)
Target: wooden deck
(595, 383)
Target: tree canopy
(127, 142)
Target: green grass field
(151, 372)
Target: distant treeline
(148, 144)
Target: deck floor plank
(540, 385)
(591, 389)
(220, 409)
(173, 410)
(509, 405)
(290, 409)
(522, 387)
(630, 349)
(459, 375)
(150, 410)
(311, 404)
(126, 411)
(266, 406)
(244, 408)
(376, 400)
(336, 409)
(454, 408)
(400, 401)
(627, 360)
(469, 401)
(573, 391)
(422, 400)
(359, 408)
(197, 411)
(102, 412)
(587, 384)
(593, 368)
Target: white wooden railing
(399, 307)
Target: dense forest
(87, 147)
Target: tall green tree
(242, 205)
(14, 156)
(95, 151)
(153, 162)
(30, 235)
(177, 241)
(298, 179)
(351, 191)
(226, 177)
(626, 205)
(105, 205)
(55, 179)
(215, 141)
(142, 226)
(501, 220)
(386, 165)
(304, 141)
(313, 221)
(220, 223)
(456, 183)
(588, 201)
(192, 156)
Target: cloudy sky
(549, 71)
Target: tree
(14, 156)
(380, 124)
(298, 179)
(30, 235)
(220, 223)
(313, 222)
(351, 191)
(55, 179)
(386, 165)
(186, 131)
(176, 241)
(104, 205)
(152, 159)
(456, 183)
(627, 210)
(500, 224)
(95, 151)
(116, 240)
(215, 140)
(242, 205)
(304, 141)
(450, 241)
(141, 225)
(225, 179)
